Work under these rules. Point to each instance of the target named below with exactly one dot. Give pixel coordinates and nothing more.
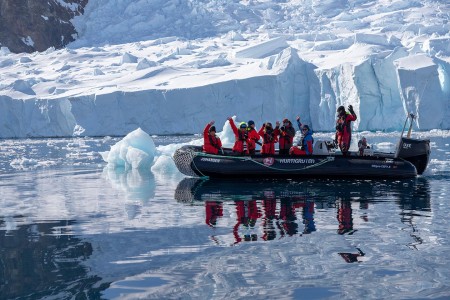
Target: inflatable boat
(409, 160)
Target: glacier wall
(382, 88)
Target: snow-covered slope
(170, 67)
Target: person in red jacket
(343, 128)
(242, 141)
(270, 138)
(211, 143)
(253, 137)
(287, 134)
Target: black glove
(350, 109)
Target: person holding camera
(287, 134)
(343, 134)
(269, 137)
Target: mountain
(171, 66)
(28, 26)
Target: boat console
(416, 151)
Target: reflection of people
(213, 211)
(362, 144)
(246, 215)
(288, 217)
(270, 208)
(308, 217)
(351, 257)
(343, 129)
(211, 143)
(345, 218)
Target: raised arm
(299, 124)
(233, 126)
(352, 116)
(207, 127)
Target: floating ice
(136, 150)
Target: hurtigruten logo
(297, 161)
(268, 161)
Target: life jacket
(253, 138)
(343, 125)
(303, 146)
(287, 136)
(243, 137)
(268, 137)
(214, 142)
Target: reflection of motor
(351, 257)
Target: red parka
(344, 131)
(242, 140)
(253, 137)
(286, 136)
(211, 144)
(269, 141)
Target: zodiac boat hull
(191, 161)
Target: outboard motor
(416, 151)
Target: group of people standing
(246, 136)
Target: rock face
(30, 25)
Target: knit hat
(250, 123)
(212, 128)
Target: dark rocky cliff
(36, 25)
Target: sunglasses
(304, 129)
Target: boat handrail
(411, 117)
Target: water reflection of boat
(410, 159)
(286, 208)
(322, 190)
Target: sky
(169, 67)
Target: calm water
(72, 229)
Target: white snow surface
(169, 67)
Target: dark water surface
(72, 229)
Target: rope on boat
(324, 161)
(248, 158)
(184, 160)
